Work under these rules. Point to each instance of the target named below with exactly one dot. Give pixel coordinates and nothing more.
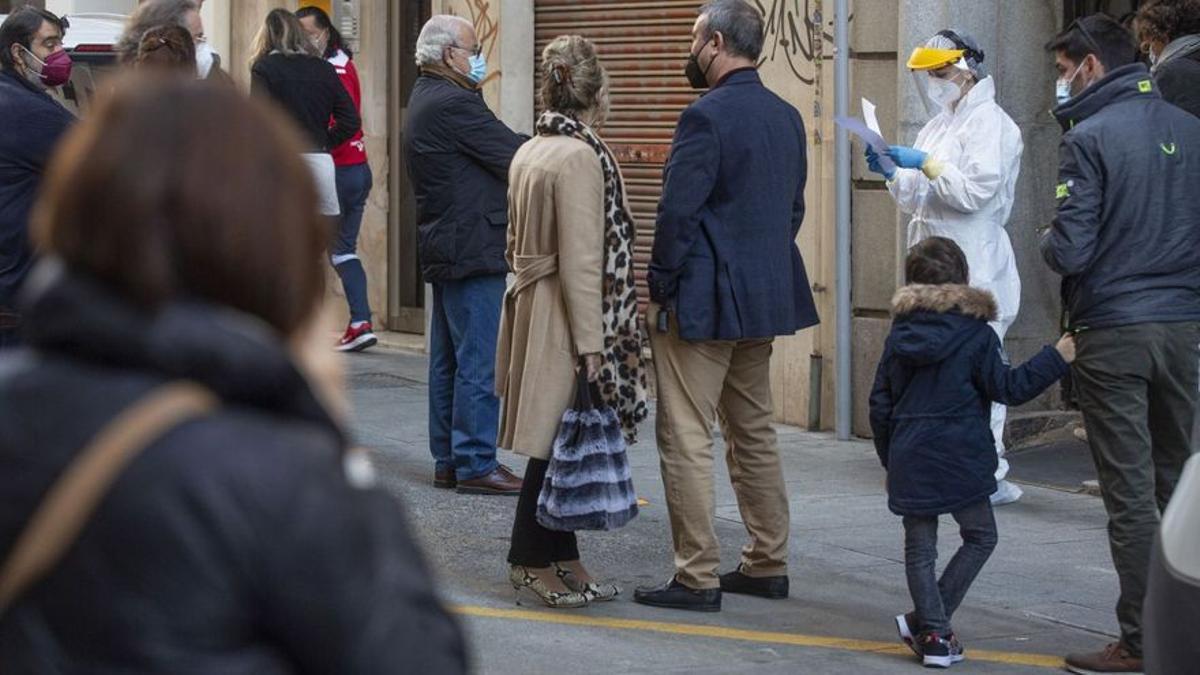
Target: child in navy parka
(942, 367)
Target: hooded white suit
(979, 148)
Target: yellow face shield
(926, 58)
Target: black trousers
(533, 545)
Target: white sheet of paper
(870, 137)
(872, 121)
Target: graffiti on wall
(795, 35)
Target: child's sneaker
(940, 652)
(905, 625)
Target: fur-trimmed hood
(970, 302)
(931, 322)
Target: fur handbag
(588, 484)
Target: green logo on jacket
(1062, 191)
(1145, 86)
(1168, 148)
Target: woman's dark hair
(325, 23)
(1097, 34)
(180, 188)
(167, 48)
(936, 261)
(1165, 20)
(20, 28)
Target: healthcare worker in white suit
(959, 179)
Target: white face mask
(204, 60)
(1062, 88)
(944, 92)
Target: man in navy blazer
(726, 277)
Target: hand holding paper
(868, 132)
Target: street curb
(1026, 429)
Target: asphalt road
(1048, 589)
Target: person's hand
(591, 364)
(1066, 347)
(906, 157)
(874, 165)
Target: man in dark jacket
(725, 279)
(1127, 242)
(32, 124)
(458, 155)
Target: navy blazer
(725, 257)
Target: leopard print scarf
(623, 373)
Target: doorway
(406, 289)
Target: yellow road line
(698, 630)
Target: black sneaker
(940, 652)
(674, 595)
(772, 588)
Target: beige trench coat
(553, 309)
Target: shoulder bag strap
(70, 502)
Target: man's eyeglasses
(476, 51)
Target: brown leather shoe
(444, 479)
(1115, 658)
(499, 482)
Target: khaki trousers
(699, 384)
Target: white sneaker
(1006, 493)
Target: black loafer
(674, 595)
(771, 588)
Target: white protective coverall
(979, 147)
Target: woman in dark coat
(287, 68)
(246, 539)
(1169, 32)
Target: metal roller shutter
(644, 46)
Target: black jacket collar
(238, 357)
(1124, 83)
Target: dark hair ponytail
(325, 23)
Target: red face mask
(56, 69)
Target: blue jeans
(353, 187)
(463, 408)
(935, 600)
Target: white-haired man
(458, 154)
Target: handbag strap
(70, 502)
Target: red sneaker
(357, 338)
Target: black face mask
(696, 76)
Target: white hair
(439, 32)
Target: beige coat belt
(528, 270)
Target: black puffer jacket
(458, 155)
(234, 544)
(942, 368)
(1127, 235)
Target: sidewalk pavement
(1048, 589)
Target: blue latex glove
(906, 157)
(874, 165)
